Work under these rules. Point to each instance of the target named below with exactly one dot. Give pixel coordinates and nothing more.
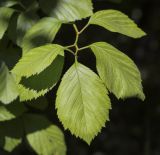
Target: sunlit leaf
(116, 21)
(44, 137)
(37, 59)
(67, 10)
(118, 71)
(82, 102)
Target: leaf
(44, 137)
(119, 73)
(82, 102)
(9, 53)
(11, 133)
(24, 23)
(11, 111)
(41, 33)
(67, 10)
(5, 15)
(37, 59)
(38, 85)
(20, 24)
(8, 87)
(26, 94)
(116, 21)
(8, 3)
(42, 81)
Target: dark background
(134, 127)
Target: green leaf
(82, 102)
(116, 21)
(5, 15)
(37, 59)
(11, 133)
(44, 137)
(11, 111)
(26, 94)
(8, 87)
(119, 73)
(42, 81)
(8, 3)
(38, 85)
(24, 23)
(20, 24)
(41, 33)
(67, 11)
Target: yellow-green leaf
(119, 73)
(37, 59)
(82, 102)
(44, 137)
(116, 21)
(67, 10)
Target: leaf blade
(5, 15)
(49, 137)
(116, 21)
(41, 33)
(8, 87)
(82, 110)
(119, 73)
(67, 11)
(37, 59)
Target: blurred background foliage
(134, 127)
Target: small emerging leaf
(116, 21)
(82, 102)
(119, 73)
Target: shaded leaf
(20, 24)
(118, 71)
(11, 111)
(11, 133)
(41, 33)
(24, 23)
(8, 86)
(8, 3)
(116, 21)
(47, 78)
(44, 137)
(82, 102)
(5, 15)
(38, 85)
